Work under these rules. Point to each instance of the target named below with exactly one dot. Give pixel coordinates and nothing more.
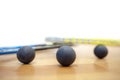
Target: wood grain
(46, 67)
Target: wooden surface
(46, 67)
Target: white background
(30, 21)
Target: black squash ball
(100, 51)
(65, 55)
(26, 54)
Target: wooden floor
(46, 67)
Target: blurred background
(28, 22)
